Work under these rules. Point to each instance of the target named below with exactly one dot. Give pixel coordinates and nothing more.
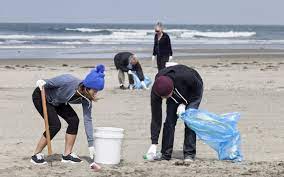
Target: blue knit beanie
(95, 79)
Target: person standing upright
(162, 49)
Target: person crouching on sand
(183, 88)
(128, 62)
(61, 91)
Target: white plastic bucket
(108, 142)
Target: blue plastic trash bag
(137, 82)
(218, 131)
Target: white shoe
(38, 159)
(72, 157)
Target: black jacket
(163, 46)
(121, 61)
(188, 88)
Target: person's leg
(189, 146)
(121, 77)
(164, 60)
(159, 64)
(70, 116)
(40, 145)
(69, 143)
(131, 79)
(53, 120)
(169, 130)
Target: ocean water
(35, 40)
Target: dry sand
(253, 86)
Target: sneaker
(38, 159)
(122, 87)
(162, 157)
(189, 159)
(72, 157)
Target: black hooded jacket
(188, 88)
(121, 61)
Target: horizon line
(144, 23)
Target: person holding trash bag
(183, 88)
(162, 49)
(128, 62)
(61, 91)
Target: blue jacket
(60, 89)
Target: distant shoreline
(181, 54)
(136, 23)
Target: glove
(144, 85)
(92, 152)
(180, 109)
(153, 61)
(95, 167)
(171, 58)
(152, 149)
(40, 84)
(131, 86)
(130, 72)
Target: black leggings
(63, 110)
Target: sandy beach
(251, 85)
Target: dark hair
(160, 24)
(83, 88)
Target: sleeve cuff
(91, 143)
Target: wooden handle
(45, 115)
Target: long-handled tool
(45, 115)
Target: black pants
(63, 110)
(161, 62)
(189, 145)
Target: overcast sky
(144, 11)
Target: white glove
(171, 58)
(153, 61)
(131, 87)
(144, 85)
(152, 149)
(180, 109)
(92, 152)
(130, 72)
(40, 84)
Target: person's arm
(139, 72)
(169, 46)
(156, 122)
(155, 45)
(88, 123)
